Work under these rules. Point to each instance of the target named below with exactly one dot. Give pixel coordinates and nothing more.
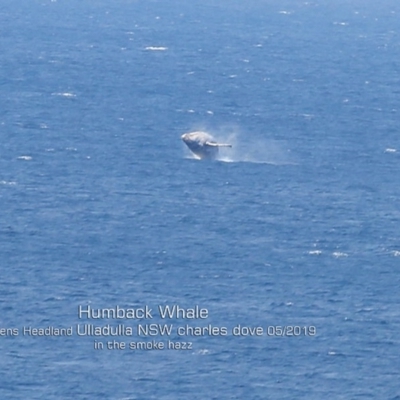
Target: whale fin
(213, 144)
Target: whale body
(202, 145)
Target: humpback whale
(202, 145)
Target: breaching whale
(202, 145)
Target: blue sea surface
(298, 225)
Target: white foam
(225, 159)
(390, 150)
(315, 252)
(64, 94)
(339, 254)
(11, 183)
(396, 253)
(156, 48)
(26, 158)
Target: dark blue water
(101, 205)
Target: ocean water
(103, 206)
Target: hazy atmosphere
(131, 269)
